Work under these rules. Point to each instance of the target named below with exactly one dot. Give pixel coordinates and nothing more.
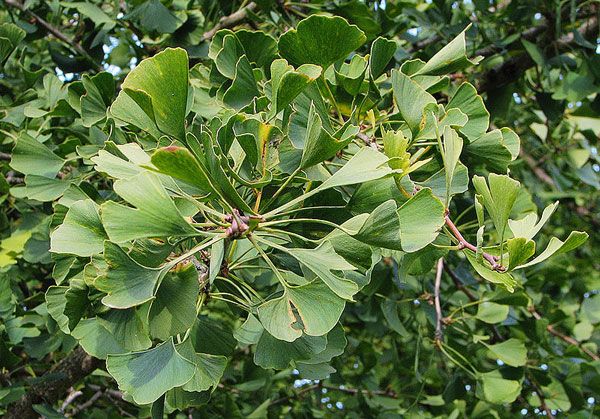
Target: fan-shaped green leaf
(149, 374)
(320, 40)
(81, 232)
(155, 214)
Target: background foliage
(98, 318)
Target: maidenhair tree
(281, 209)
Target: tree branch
(438, 307)
(228, 21)
(54, 31)
(542, 175)
(371, 142)
(54, 383)
(511, 69)
(463, 243)
(459, 284)
(543, 404)
(568, 339)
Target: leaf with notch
(126, 282)
(159, 87)
(318, 309)
(322, 261)
(155, 215)
(147, 375)
(320, 40)
(81, 232)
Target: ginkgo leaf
(520, 250)
(421, 219)
(320, 40)
(155, 214)
(158, 86)
(243, 89)
(180, 163)
(382, 51)
(319, 145)
(512, 352)
(498, 198)
(528, 226)
(81, 232)
(123, 161)
(557, 246)
(149, 374)
(452, 147)
(381, 227)
(323, 261)
(491, 150)
(126, 282)
(450, 58)
(317, 307)
(209, 368)
(350, 76)
(471, 104)
(273, 353)
(173, 310)
(411, 99)
(287, 83)
(497, 389)
(31, 157)
(10, 36)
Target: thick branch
(228, 21)
(510, 70)
(54, 384)
(54, 31)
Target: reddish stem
(463, 243)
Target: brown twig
(540, 394)
(464, 244)
(568, 339)
(371, 142)
(537, 171)
(73, 394)
(12, 179)
(228, 21)
(438, 307)
(88, 403)
(54, 31)
(459, 284)
(4, 156)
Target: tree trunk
(54, 384)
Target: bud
(394, 146)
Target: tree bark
(54, 383)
